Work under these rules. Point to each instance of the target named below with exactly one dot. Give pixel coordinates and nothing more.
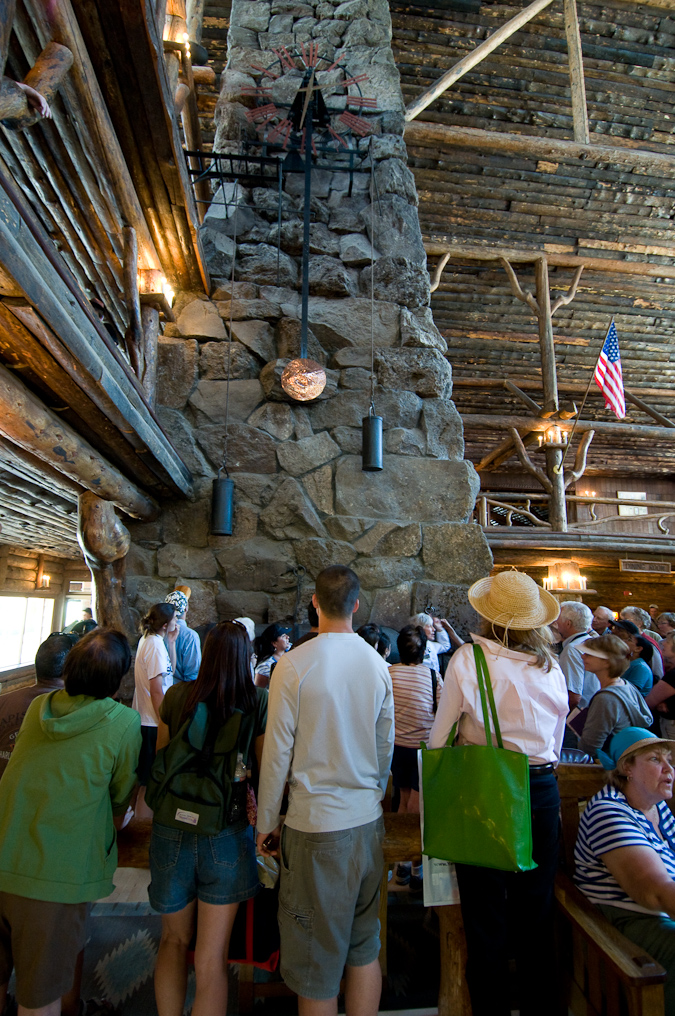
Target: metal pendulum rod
(305, 234)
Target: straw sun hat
(512, 599)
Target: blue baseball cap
(627, 740)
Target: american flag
(608, 376)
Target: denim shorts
(329, 905)
(214, 869)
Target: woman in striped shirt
(625, 852)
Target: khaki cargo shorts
(328, 905)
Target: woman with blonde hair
(503, 909)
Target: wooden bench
(603, 972)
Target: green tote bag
(477, 798)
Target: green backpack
(191, 781)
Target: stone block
(423, 371)
(362, 615)
(449, 601)
(249, 450)
(367, 543)
(418, 329)
(218, 251)
(346, 322)
(350, 439)
(389, 146)
(210, 398)
(398, 408)
(275, 418)
(232, 87)
(346, 218)
(187, 522)
(303, 424)
(298, 457)
(213, 359)
(201, 319)
(444, 430)
(302, 29)
(280, 23)
(176, 370)
(392, 176)
(144, 592)
(245, 37)
(146, 534)
(244, 310)
(391, 607)
(192, 562)
(455, 552)
(257, 336)
(231, 603)
(254, 14)
(362, 32)
(382, 572)
(255, 487)
(290, 514)
(397, 279)
(351, 356)
(344, 527)
(184, 441)
(350, 10)
(403, 541)
(292, 7)
(202, 601)
(399, 441)
(356, 250)
(141, 560)
(259, 564)
(315, 555)
(319, 487)
(288, 341)
(258, 263)
(330, 277)
(408, 489)
(235, 291)
(396, 228)
(355, 378)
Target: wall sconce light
(155, 291)
(565, 576)
(46, 579)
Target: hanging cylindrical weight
(371, 449)
(222, 507)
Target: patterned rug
(123, 940)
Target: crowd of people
(244, 747)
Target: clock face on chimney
(303, 92)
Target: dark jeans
(511, 914)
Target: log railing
(513, 509)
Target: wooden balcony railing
(515, 510)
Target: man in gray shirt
(330, 734)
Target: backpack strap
(434, 689)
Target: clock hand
(308, 97)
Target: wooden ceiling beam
(436, 246)
(529, 423)
(26, 422)
(424, 133)
(573, 387)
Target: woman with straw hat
(503, 909)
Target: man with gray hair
(602, 616)
(641, 619)
(188, 647)
(574, 624)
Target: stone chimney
(301, 495)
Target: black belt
(547, 767)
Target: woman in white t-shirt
(153, 674)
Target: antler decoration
(527, 463)
(517, 290)
(580, 459)
(567, 297)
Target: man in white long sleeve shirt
(330, 733)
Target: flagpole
(588, 388)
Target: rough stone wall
(301, 496)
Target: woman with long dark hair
(270, 647)
(199, 880)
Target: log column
(150, 320)
(557, 509)
(105, 543)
